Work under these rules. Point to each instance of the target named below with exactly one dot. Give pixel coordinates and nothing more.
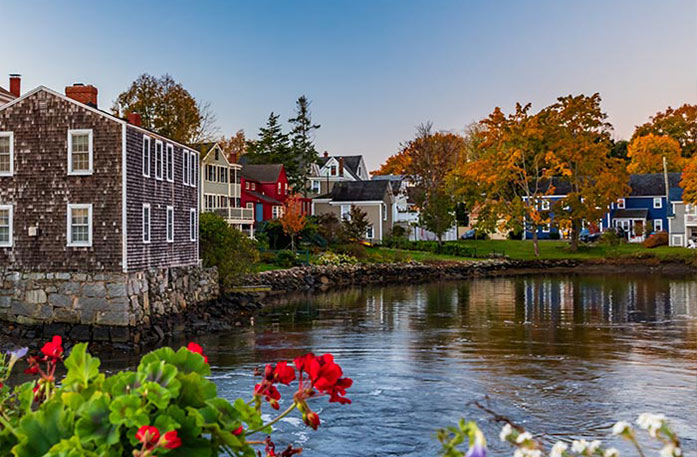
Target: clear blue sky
(373, 69)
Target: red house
(265, 189)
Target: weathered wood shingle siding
(159, 194)
(41, 189)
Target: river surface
(563, 356)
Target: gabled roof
(351, 163)
(204, 148)
(6, 96)
(94, 110)
(356, 191)
(394, 180)
(262, 173)
(652, 184)
(262, 197)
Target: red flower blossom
(302, 362)
(238, 431)
(311, 419)
(171, 440)
(33, 369)
(283, 373)
(197, 349)
(338, 391)
(148, 435)
(269, 392)
(54, 348)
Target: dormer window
(333, 170)
(79, 152)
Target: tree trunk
(574, 236)
(292, 243)
(535, 242)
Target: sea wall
(102, 306)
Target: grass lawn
(259, 267)
(554, 249)
(401, 255)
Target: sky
(373, 70)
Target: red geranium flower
(337, 392)
(238, 431)
(148, 435)
(197, 349)
(171, 440)
(54, 348)
(312, 419)
(283, 373)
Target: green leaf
(155, 394)
(82, 368)
(128, 410)
(43, 429)
(195, 390)
(123, 383)
(184, 360)
(161, 373)
(248, 414)
(193, 445)
(94, 424)
(70, 448)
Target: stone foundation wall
(103, 299)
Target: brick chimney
(135, 119)
(16, 85)
(83, 94)
(341, 166)
(326, 154)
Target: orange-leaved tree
(680, 124)
(293, 219)
(513, 172)
(646, 154)
(395, 165)
(689, 182)
(579, 148)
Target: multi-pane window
(170, 224)
(79, 152)
(658, 225)
(275, 211)
(6, 153)
(159, 159)
(620, 203)
(146, 223)
(193, 168)
(346, 212)
(79, 225)
(192, 224)
(170, 163)
(146, 156)
(370, 232)
(185, 168)
(315, 187)
(657, 202)
(5, 225)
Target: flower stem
(6, 423)
(280, 416)
(636, 445)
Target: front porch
(632, 223)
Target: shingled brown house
(83, 190)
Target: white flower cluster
(670, 450)
(506, 431)
(621, 428)
(558, 449)
(651, 422)
(584, 447)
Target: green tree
(227, 248)
(272, 146)
(166, 107)
(302, 144)
(437, 213)
(357, 224)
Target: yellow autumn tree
(293, 220)
(646, 154)
(396, 164)
(689, 182)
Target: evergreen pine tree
(273, 146)
(302, 144)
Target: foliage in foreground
(526, 445)
(165, 407)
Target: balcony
(691, 219)
(234, 215)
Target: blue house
(644, 211)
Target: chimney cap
(15, 75)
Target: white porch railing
(234, 215)
(691, 219)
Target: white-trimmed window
(169, 163)
(280, 187)
(620, 203)
(370, 232)
(275, 212)
(146, 156)
(80, 152)
(185, 167)
(6, 225)
(315, 187)
(346, 212)
(657, 202)
(333, 170)
(170, 224)
(192, 224)
(545, 205)
(7, 153)
(246, 185)
(159, 159)
(193, 167)
(79, 225)
(546, 228)
(384, 211)
(658, 225)
(147, 223)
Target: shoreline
(237, 310)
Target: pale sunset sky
(373, 69)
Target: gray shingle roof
(652, 184)
(631, 214)
(356, 191)
(350, 163)
(262, 173)
(394, 180)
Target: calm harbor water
(564, 356)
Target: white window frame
(146, 155)
(657, 203)
(316, 186)
(275, 211)
(169, 162)
(11, 136)
(545, 205)
(656, 224)
(192, 224)
(346, 212)
(621, 203)
(69, 234)
(546, 228)
(193, 167)
(90, 152)
(370, 232)
(159, 158)
(384, 211)
(10, 238)
(170, 224)
(185, 167)
(146, 239)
